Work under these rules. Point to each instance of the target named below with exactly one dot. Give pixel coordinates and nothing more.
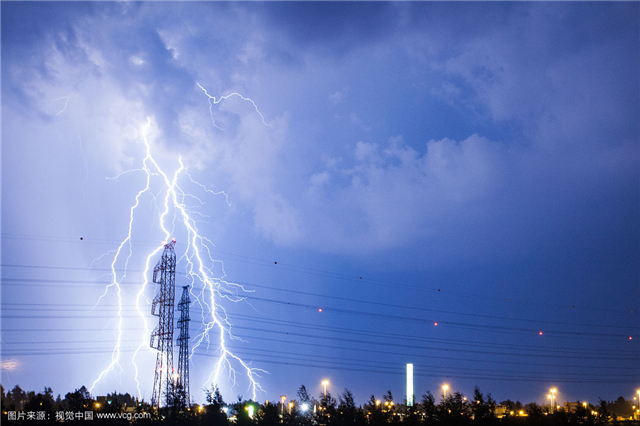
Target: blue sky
(475, 163)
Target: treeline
(305, 410)
(19, 406)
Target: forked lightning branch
(203, 286)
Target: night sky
(474, 165)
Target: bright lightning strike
(208, 291)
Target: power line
(339, 366)
(14, 352)
(315, 355)
(405, 337)
(263, 330)
(503, 329)
(247, 296)
(312, 271)
(422, 347)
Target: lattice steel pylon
(162, 337)
(182, 388)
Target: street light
(325, 382)
(444, 392)
(553, 397)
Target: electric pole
(183, 400)
(162, 337)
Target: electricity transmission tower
(162, 337)
(182, 386)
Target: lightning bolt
(213, 101)
(208, 288)
(64, 107)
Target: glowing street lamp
(325, 382)
(444, 391)
(553, 398)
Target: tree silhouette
(212, 414)
(429, 408)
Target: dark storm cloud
(331, 25)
